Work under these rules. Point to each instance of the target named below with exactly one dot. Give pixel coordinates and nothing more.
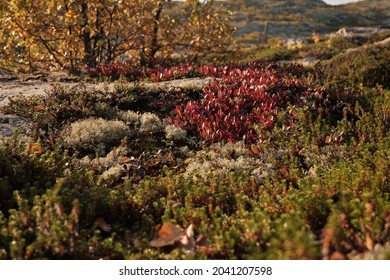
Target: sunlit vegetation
(267, 160)
(75, 35)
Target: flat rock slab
(13, 86)
(9, 124)
(196, 83)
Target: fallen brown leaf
(168, 234)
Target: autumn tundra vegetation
(267, 159)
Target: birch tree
(75, 34)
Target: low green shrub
(28, 167)
(341, 43)
(366, 65)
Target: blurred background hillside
(299, 18)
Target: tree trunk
(89, 58)
(156, 21)
(154, 47)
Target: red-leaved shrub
(244, 100)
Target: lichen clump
(150, 122)
(222, 159)
(173, 132)
(129, 117)
(96, 133)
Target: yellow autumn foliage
(76, 34)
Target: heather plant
(361, 191)
(53, 226)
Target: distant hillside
(298, 18)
